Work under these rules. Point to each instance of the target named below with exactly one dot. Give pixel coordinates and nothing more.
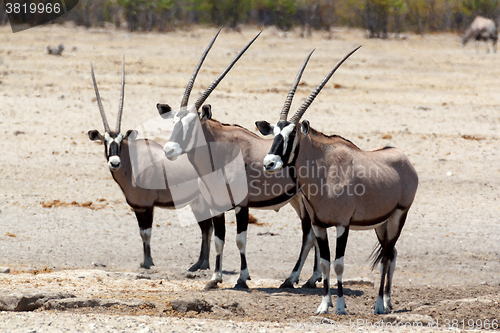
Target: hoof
(200, 265)
(287, 284)
(147, 264)
(379, 306)
(241, 285)
(309, 285)
(212, 284)
(380, 311)
(322, 310)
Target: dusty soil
(62, 215)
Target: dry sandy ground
(437, 102)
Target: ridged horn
(189, 87)
(214, 84)
(122, 95)
(99, 102)
(296, 117)
(289, 98)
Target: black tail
(376, 255)
(380, 252)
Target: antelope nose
(172, 150)
(114, 162)
(168, 151)
(270, 165)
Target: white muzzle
(114, 162)
(172, 150)
(272, 163)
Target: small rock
(4, 270)
(28, 300)
(70, 303)
(55, 51)
(98, 264)
(74, 303)
(267, 233)
(191, 304)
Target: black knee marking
(144, 217)
(242, 220)
(147, 249)
(339, 253)
(316, 259)
(324, 249)
(217, 263)
(219, 227)
(382, 278)
(326, 286)
(243, 261)
(341, 244)
(340, 290)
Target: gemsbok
(207, 142)
(345, 187)
(482, 29)
(121, 152)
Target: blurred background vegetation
(381, 18)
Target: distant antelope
(191, 127)
(120, 151)
(482, 29)
(344, 187)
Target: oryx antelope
(199, 137)
(121, 151)
(482, 29)
(349, 189)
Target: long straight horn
(214, 84)
(296, 117)
(122, 95)
(190, 85)
(289, 98)
(99, 102)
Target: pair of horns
(99, 101)
(300, 112)
(214, 84)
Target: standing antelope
(482, 29)
(121, 151)
(204, 141)
(348, 188)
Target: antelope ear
(305, 127)
(164, 110)
(130, 135)
(264, 127)
(94, 135)
(206, 111)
